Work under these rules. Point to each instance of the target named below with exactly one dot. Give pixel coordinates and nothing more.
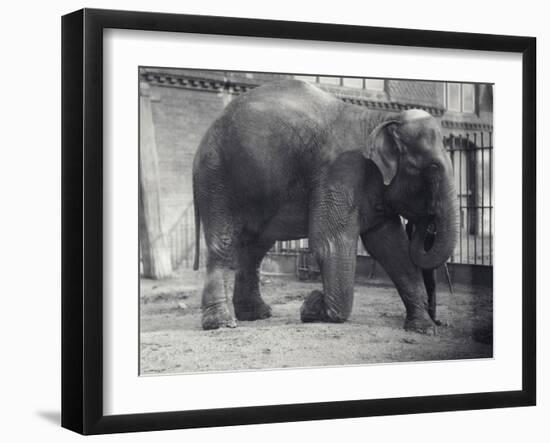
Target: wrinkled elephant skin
(288, 161)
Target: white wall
(30, 244)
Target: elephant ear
(383, 149)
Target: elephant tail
(197, 235)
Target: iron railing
(180, 239)
(472, 158)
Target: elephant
(287, 160)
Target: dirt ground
(172, 341)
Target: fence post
(154, 251)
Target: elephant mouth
(430, 233)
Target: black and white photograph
(275, 221)
(299, 220)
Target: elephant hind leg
(215, 311)
(214, 304)
(247, 300)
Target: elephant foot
(433, 317)
(251, 309)
(313, 309)
(422, 324)
(217, 316)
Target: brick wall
(181, 117)
(416, 92)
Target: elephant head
(418, 175)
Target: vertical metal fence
(180, 240)
(472, 157)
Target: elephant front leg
(429, 282)
(389, 245)
(337, 261)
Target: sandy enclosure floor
(172, 341)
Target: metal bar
(171, 245)
(186, 232)
(474, 197)
(178, 245)
(482, 200)
(467, 174)
(491, 197)
(452, 154)
(183, 243)
(172, 253)
(460, 196)
(176, 248)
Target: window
(468, 98)
(460, 97)
(453, 97)
(373, 84)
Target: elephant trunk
(435, 235)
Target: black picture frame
(82, 220)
